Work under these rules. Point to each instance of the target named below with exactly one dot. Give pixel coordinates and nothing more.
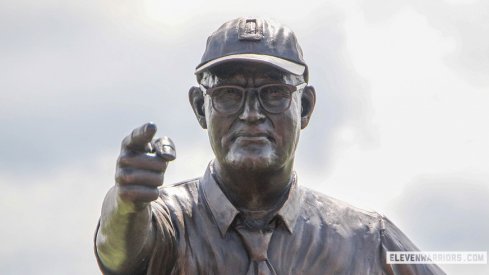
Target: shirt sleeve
(163, 256)
(392, 239)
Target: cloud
(48, 221)
(464, 21)
(448, 213)
(413, 116)
(401, 93)
(75, 86)
(93, 75)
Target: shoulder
(179, 196)
(336, 212)
(352, 220)
(181, 190)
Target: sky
(400, 126)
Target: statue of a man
(247, 214)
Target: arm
(126, 234)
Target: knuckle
(152, 163)
(123, 160)
(118, 176)
(153, 179)
(156, 180)
(124, 176)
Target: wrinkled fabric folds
(314, 234)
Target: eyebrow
(275, 75)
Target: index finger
(139, 137)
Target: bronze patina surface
(248, 213)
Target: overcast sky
(401, 125)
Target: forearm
(125, 236)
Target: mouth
(253, 137)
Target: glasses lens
(227, 99)
(275, 98)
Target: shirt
(314, 234)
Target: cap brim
(280, 63)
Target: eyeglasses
(273, 98)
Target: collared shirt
(315, 234)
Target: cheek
(212, 130)
(208, 110)
(296, 110)
(218, 129)
(290, 129)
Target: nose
(252, 111)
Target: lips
(251, 136)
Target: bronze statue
(247, 214)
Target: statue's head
(253, 96)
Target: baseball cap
(254, 40)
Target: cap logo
(250, 29)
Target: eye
(275, 93)
(227, 99)
(228, 94)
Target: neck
(254, 189)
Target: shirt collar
(290, 210)
(224, 211)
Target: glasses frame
(246, 91)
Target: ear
(308, 101)
(196, 98)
